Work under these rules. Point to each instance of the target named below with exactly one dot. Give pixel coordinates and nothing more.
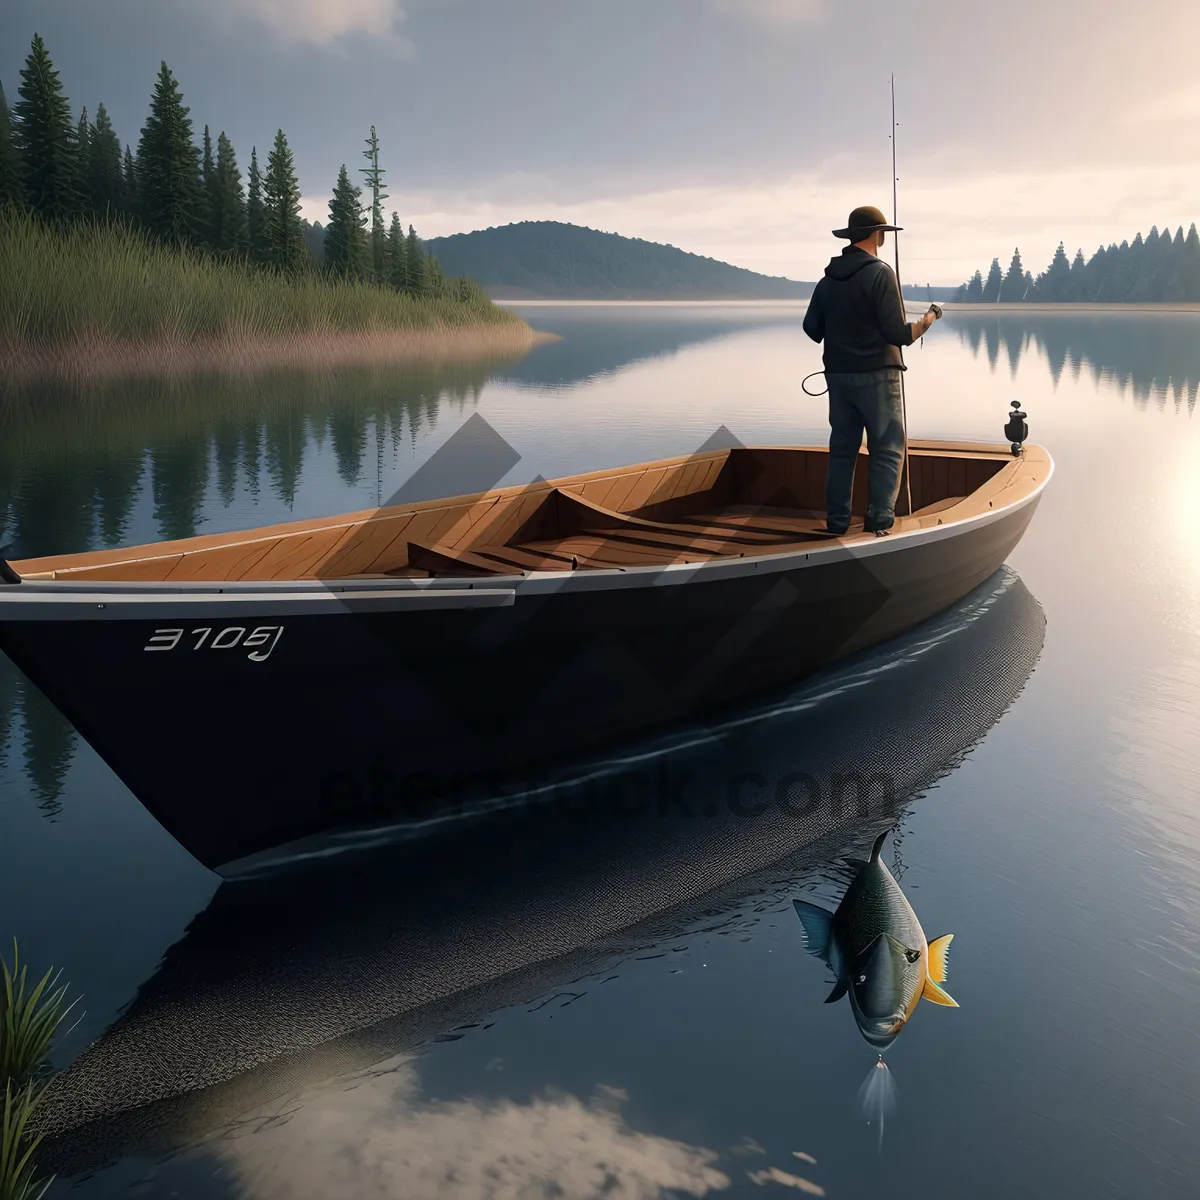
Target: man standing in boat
(857, 311)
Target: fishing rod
(900, 289)
(933, 308)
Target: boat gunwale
(794, 556)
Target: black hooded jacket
(856, 310)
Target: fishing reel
(1016, 429)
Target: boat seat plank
(448, 558)
(601, 550)
(594, 518)
(524, 559)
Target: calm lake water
(573, 1000)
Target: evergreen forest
(1160, 267)
(84, 216)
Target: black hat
(863, 221)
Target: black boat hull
(248, 718)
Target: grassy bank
(94, 300)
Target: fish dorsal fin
(877, 845)
(933, 991)
(839, 990)
(939, 957)
(816, 924)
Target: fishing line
(813, 376)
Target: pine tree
(104, 167)
(1189, 266)
(1052, 284)
(130, 192)
(44, 138)
(1093, 276)
(281, 209)
(375, 174)
(1076, 285)
(81, 153)
(395, 254)
(1013, 287)
(1143, 284)
(256, 225)
(171, 193)
(344, 238)
(974, 292)
(991, 289)
(414, 263)
(208, 181)
(227, 208)
(435, 280)
(11, 189)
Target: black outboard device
(1016, 429)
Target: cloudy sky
(744, 129)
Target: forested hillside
(554, 260)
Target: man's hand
(920, 327)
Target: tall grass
(100, 282)
(18, 1172)
(30, 1015)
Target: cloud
(1178, 107)
(323, 22)
(775, 12)
(373, 1136)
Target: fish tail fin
(816, 924)
(939, 957)
(933, 992)
(877, 845)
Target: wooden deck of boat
(723, 503)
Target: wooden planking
(439, 559)
(369, 546)
(523, 559)
(228, 562)
(598, 549)
(715, 542)
(620, 493)
(355, 544)
(146, 570)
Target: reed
(30, 1016)
(18, 1172)
(93, 287)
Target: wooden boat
(257, 687)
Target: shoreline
(915, 304)
(95, 358)
(1097, 306)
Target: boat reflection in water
(307, 972)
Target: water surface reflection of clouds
(376, 1137)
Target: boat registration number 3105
(259, 642)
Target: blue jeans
(870, 401)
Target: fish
(877, 951)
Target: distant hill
(555, 261)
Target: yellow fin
(939, 952)
(935, 993)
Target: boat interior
(740, 502)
